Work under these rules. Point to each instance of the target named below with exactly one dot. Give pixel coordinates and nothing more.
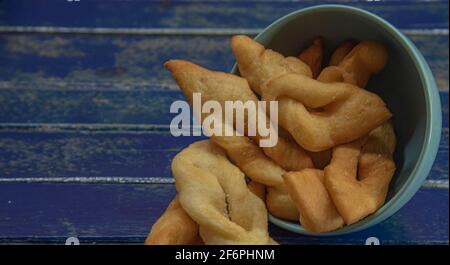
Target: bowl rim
(429, 146)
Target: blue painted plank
(74, 209)
(141, 155)
(440, 166)
(148, 106)
(124, 59)
(107, 154)
(78, 106)
(200, 14)
(125, 213)
(130, 62)
(409, 226)
(432, 47)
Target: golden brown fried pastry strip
(376, 158)
(365, 59)
(257, 166)
(174, 227)
(289, 155)
(329, 75)
(258, 65)
(280, 204)
(359, 174)
(317, 211)
(251, 160)
(226, 87)
(214, 194)
(340, 52)
(303, 185)
(258, 189)
(342, 106)
(313, 55)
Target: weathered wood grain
(28, 155)
(203, 14)
(65, 155)
(78, 111)
(146, 106)
(130, 62)
(124, 213)
(73, 106)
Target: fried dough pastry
(174, 227)
(340, 52)
(258, 189)
(313, 55)
(251, 160)
(359, 174)
(289, 155)
(259, 65)
(317, 211)
(340, 106)
(226, 87)
(214, 194)
(280, 204)
(365, 59)
(322, 159)
(258, 167)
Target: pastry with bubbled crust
(213, 192)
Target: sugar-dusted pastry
(317, 210)
(174, 227)
(359, 174)
(313, 56)
(214, 194)
(322, 115)
(223, 87)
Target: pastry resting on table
(332, 163)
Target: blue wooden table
(85, 148)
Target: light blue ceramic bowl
(406, 85)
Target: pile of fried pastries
(331, 166)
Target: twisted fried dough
(365, 59)
(223, 87)
(313, 55)
(376, 158)
(317, 211)
(359, 174)
(340, 52)
(174, 227)
(214, 194)
(259, 65)
(343, 106)
(258, 189)
(339, 57)
(257, 166)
